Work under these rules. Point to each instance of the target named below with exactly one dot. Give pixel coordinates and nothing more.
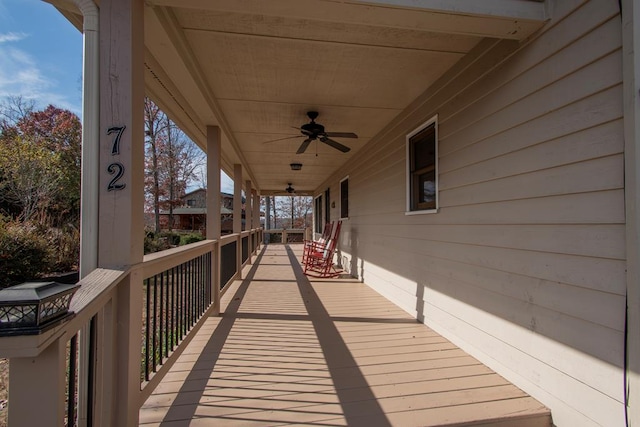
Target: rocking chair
(319, 260)
(317, 245)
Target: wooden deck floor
(289, 351)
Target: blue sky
(41, 58)
(40, 55)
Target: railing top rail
(160, 261)
(229, 238)
(95, 290)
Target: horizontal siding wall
(524, 264)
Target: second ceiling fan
(315, 131)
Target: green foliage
(39, 191)
(40, 166)
(173, 239)
(64, 245)
(25, 253)
(186, 239)
(156, 242)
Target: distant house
(192, 213)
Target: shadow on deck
(289, 351)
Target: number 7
(116, 141)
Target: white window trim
(340, 199)
(417, 130)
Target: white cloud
(12, 37)
(21, 74)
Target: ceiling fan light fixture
(296, 166)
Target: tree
(60, 132)
(40, 169)
(12, 110)
(153, 123)
(171, 163)
(30, 177)
(293, 211)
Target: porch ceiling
(255, 68)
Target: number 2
(117, 169)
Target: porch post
(121, 194)
(214, 152)
(631, 87)
(41, 381)
(256, 213)
(247, 207)
(237, 198)
(248, 213)
(237, 215)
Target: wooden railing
(133, 323)
(291, 235)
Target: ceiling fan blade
(281, 139)
(340, 135)
(335, 144)
(304, 146)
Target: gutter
(90, 138)
(89, 188)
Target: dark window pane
(422, 161)
(427, 184)
(344, 199)
(424, 148)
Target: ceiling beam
(508, 19)
(176, 35)
(530, 10)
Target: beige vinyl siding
(524, 264)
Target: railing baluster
(155, 321)
(71, 381)
(172, 307)
(93, 342)
(176, 300)
(183, 301)
(165, 315)
(147, 330)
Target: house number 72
(116, 168)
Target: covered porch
(486, 173)
(289, 350)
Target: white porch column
(631, 88)
(248, 206)
(237, 215)
(37, 387)
(237, 198)
(121, 194)
(256, 209)
(248, 211)
(256, 214)
(214, 154)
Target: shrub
(64, 246)
(173, 239)
(154, 243)
(25, 253)
(186, 239)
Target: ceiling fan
(290, 189)
(315, 131)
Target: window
(317, 214)
(422, 168)
(191, 203)
(344, 198)
(327, 207)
